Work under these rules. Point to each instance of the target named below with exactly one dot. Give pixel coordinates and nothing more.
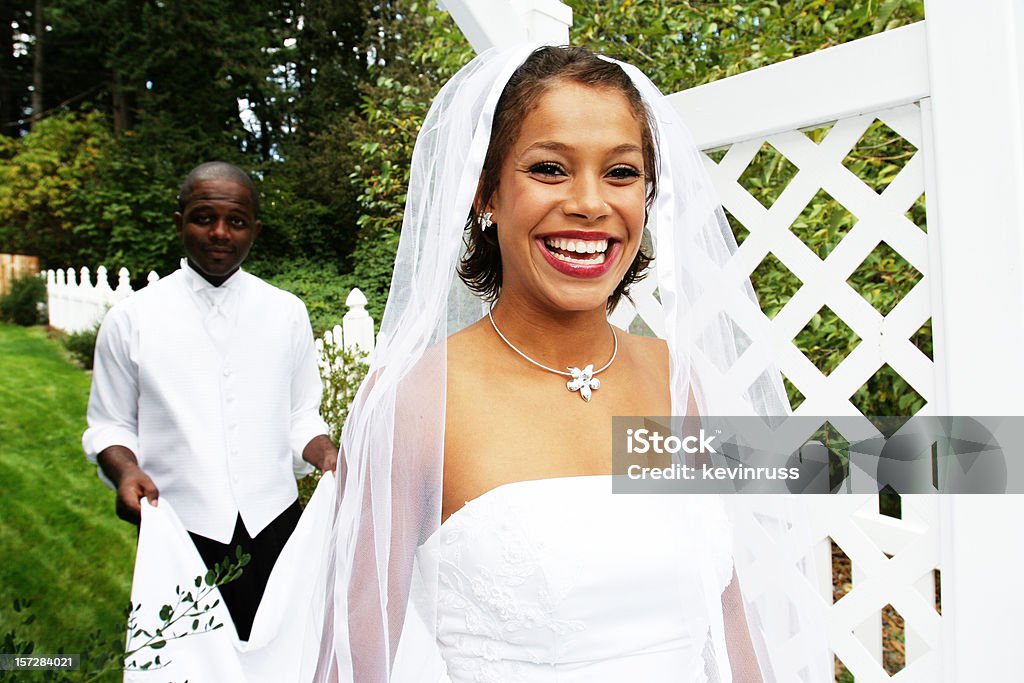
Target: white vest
(217, 433)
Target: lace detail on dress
(501, 603)
(559, 581)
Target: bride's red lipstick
(581, 270)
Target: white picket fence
(76, 302)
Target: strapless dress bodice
(560, 581)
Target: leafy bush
(82, 345)
(25, 303)
(342, 372)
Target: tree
(15, 68)
(180, 83)
(42, 179)
(680, 45)
(309, 203)
(417, 48)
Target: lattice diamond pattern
(892, 563)
(843, 234)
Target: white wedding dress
(559, 580)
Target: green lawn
(61, 545)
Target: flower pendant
(583, 381)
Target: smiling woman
(579, 94)
(574, 176)
(477, 534)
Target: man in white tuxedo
(206, 392)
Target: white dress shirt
(216, 391)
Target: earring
(485, 220)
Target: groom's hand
(321, 453)
(122, 468)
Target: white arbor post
(501, 23)
(976, 56)
(976, 68)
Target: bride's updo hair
(480, 268)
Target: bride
(477, 537)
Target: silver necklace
(583, 380)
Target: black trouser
(242, 596)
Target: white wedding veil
(380, 617)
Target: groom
(206, 392)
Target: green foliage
(393, 112)
(683, 44)
(25, 301)
(420, 48)
(44, 178)
(826, 340)
(82, 345)
(133, 201)
(13, 641)
(317, 283)
(342, 372)
(75, 195)
(374, 264)
(308, 206)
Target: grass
(61, 546)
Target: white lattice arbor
(949, 91)
(881, 218)
(893, 562)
